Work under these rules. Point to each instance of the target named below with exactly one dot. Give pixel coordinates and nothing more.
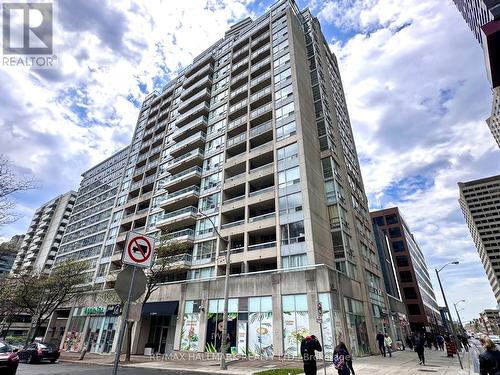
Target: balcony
(193, 142)
(200, 109)
(208, 69)
(261, 97)
(239, 93)
(261, 171)
(260, 41)
(238, 109)
(182, 236)
(260, 82)
(261, 112)
(239, 67)
(185, 197)
(199, 124)
(237, 126)
(177, 262)
(187, 160)
(190, 102)
(233, 224)
(260, 53)
(182, 179)
(239, 80)
(197, 65)
(178, 219)
(261, 129)
(238, 56)
(261, 66)
(193, 90)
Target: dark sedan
(39, 351)
(8, 359)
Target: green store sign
(94, 310)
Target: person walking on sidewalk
(388, 344)
(420, 347)
(308, 346)
(489, 360)
(440, 341)
(342, 360)
(409, 342)
(451, 348)
(380, 341)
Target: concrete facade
(479, 203)
(256, 136)
(494, 120)
(9, 253)
(41, 242)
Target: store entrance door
(163, 340)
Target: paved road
(76, 369)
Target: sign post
(138, 252)
(319, 320)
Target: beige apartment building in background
(480, 203)
(41, 242)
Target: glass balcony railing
(187, 155)
(261, 217)
(177, 176)
(191, 189)
(261, 129)
(181, 212)
(260, 246)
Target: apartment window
(220, 111)
(285, 111)
(281, 33)
(327, 168)
(201, 273)
(391, 219)
(113, 232)
(219, 97)
(402, 261)
(288, 152)
(108, 251)
(117, 216)
(292, 233)
(413, 309)
(213, 162)
(216, 127)
(292, 261)
(284, 75)
(379, 221)
(286, 130)
(211, 181)
(406, 276)
(205, 225)
(288, 177)
(290, 203)
(280, 47)
(204, 250)
(214, 144)
(398, 246)
(394, 232)
(220, 84)
(284, 93)
(410, 293)
(281, 61)
(209, 202)
(103, 268)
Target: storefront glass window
(356, 327)
(295, 323)
(191, 327)
(260, 326)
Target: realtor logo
(27, 28)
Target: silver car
(495, 339)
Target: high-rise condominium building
(483, 18)
(252, 141)
(8, 253)
(412, 271)
(490, 321)
(479, 201)
(41, 242)
(86, 236)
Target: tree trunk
(128, 342)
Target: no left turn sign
(138, 250)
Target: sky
(413, 75)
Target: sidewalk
(401, 362)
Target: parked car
(39, 351)
(8, 359)
(495, 339)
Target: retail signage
(114, 310)
(139, 250)
(94, 310)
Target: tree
(41, 295)
(169, 250)
(10, 183)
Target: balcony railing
(260, 94)
(260, 50)
(233, 178)
(261, 191)
(182, 233)
(261, 129)
(233, 224)
(181, 212)
(261, 217)
(187, 155)
(238, 105)
(240, 76)
(235, 199)
(239, 121)
(260, 246)
(240, 90)
(260, 64)
(188, 140)
(236, 140)
(260, 78)
(190, 189)
(259, 111)
(174, 177)
(260, 38)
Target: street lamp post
(448, 309)
(223, 346)
(458, 315)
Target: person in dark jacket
(489, 360)
(380, 341)
(409, 342)
(420, 347)
(308, 346)
(342, 360)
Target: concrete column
(277, 317)
(203, 325)
(180, 319)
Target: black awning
(161, 308)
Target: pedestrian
(440, 342)
(342, 360)
(308, 346)
(420, 347)
(380, 341)
(409, 342)
(465, 342)
(388, 344)
(451, 348)
(428, 338)
(489, 360)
